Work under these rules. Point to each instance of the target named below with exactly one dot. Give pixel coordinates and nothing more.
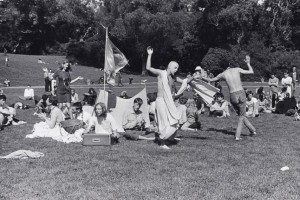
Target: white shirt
(106, 126)
(28, 93)
(287, 82)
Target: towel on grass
(23, 154)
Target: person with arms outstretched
(166, 111)
(232, 76)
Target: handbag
(72, 125)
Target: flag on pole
(115, 60)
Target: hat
(198, 68)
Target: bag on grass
(72, 125)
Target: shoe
(238, 139)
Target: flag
(115, 60)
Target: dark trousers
(47, 85)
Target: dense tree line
(215, 34)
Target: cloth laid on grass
(204, 90)
(23, 154)
(125, 105)
(57, 133)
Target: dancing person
(232, 76)
(166, 111)
(63, 81)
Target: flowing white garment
(166, 111)
(57, 133)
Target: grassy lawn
(207, 164)
(24, 69)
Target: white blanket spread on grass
(23, 154)
(57, 133)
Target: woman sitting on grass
(51, 127)
(103, 122)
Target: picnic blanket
(23, 154)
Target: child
(219, 108)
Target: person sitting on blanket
(78, 113)
(220, 107)
(103, 122)
(52, 128)
(50, 125)
(134, 122)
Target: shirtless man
(232, 76)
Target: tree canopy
(214, 34)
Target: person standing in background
(294, 77)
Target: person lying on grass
(103, 122)
(134, 122)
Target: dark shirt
(63, 80)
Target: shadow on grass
(196, 137)
(224, 131)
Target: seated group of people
(279, 103)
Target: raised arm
(213, 79)
(76, 79)
(250, 69)
(148, 65)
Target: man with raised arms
(232, 76)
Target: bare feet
(238, 139)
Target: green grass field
(207, 164)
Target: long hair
(103, 107)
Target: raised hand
(149, 50)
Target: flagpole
(106, 36)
